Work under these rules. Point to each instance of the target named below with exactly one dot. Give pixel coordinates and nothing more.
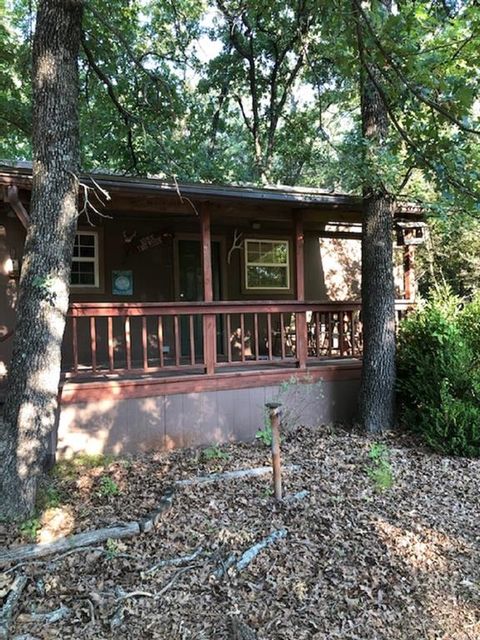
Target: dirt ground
(385, 546)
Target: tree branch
(126, 115)
(396, 68)
(408, 140)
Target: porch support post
(300, 319)
(206, 255)
(409, 272)
(209, 320)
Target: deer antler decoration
(236, 244)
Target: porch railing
(140, 338)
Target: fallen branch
(117, 618)
(123, 595)
(151, 519)
(91, 609)
(173, 580)
(135, 594)
(231, 475)
(175, 561)
(51, 561)
(253, 552)
(119, 615)
(82, 541)
(224, 566)
(8, 610)
(79, 540)
(47, 617)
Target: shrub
(439, 374)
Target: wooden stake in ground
(274, 414)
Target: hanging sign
(138, 245)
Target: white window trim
(95, 260)
(285, 265)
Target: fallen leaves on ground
(358, 563)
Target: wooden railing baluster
(192, 341)
(317, 333)
(242, 337)
(144, 343)
(330, 333)
(93, 343)
(176, 331)
(354, 334)
(349, 315)
(75, 344)
(340, 334)
(209, 342)
(160, 340)
(229, 339)
(128, 344)
(111, 360)
(301, 337)
(269, 335)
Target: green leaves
(439, 374)
(262, 91)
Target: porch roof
(20, 174)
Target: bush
(439, 373)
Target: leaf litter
(356, 562)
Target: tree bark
(377, 391)
(31, 404)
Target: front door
(190, 287)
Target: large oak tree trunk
(31, 403)
(377, 392)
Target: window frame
(287, 265)
(97, 287)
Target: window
(85, 271)
(267, 264)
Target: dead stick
(224, 566)
(175, 561)
(33, 551)
(46, 617)
(232, 475)
(253, 552)
(157, 594)
(174, 579)
(136, 594)
(82, 540)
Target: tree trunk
(31, 404)
(377, 392)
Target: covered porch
(226, 306)
(191, 305)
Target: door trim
(176, 262)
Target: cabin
(192, 305)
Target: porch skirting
(147, 413)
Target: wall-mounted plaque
(122, 283)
